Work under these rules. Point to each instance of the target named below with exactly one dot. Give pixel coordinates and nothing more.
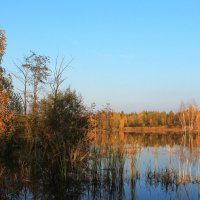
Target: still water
(148, 166)
(118, 166)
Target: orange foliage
(197, 121)
(197, 141)
(6, 115)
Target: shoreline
(161, 129)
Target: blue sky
(136, 55)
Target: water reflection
(155, 166)
(119, 166)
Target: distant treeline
(189, 117)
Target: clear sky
(136, 55)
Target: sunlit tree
(38, 66)
(2, 44)
(9, 101)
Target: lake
(148, 166)
(118, 166)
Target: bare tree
(24, 77)
(191, 115)
(60, 67)
(187, 116)
(182, 117)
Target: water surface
(118, 166)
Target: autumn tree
(197, 121)
(5, 83)
(67, 117)
(6, 114)
(170, 119)
(9, 101)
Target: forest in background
(186, 119)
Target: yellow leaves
(6, 115)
